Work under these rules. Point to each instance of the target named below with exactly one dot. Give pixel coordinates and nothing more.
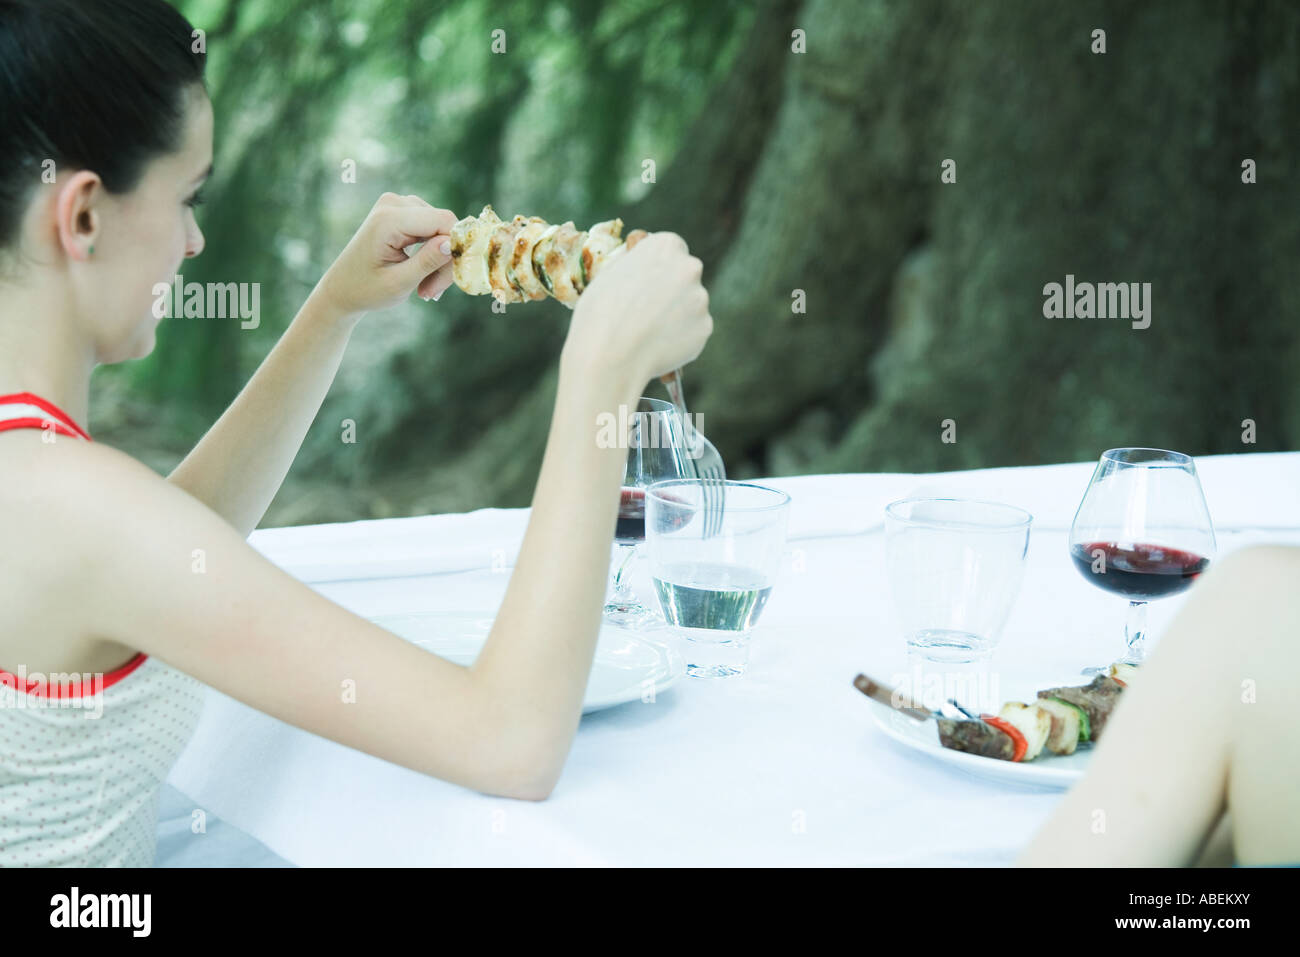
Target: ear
(77, 215)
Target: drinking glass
(955, 568)
(1142, 531)
(713, 582)
(656, 450)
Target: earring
(92, 249)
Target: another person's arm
(238, 466)
(1205, 729)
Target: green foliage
(817, 172)
(413, 94)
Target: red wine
(630, 528)
(1139, 572)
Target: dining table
(785, 765)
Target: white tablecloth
(185, 840)
(782, 766)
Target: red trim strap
(83, 684)
(55, 424)
(60, 417)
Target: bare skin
(100, 556)
(1199, 763)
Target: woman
(1201, 762)
(109, 568)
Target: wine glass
(1142, 531)
(657, 451)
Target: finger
(421, 222)
(393, 199)
(700, 300)
(429, 258)
(432, 287)
(672, 239)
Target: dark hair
(90, 84)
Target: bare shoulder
(128, 524)
(76, 516)
(88, 520)
(67, 489)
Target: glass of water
(713, 573)
(955, 568)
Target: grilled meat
(1096, 700)
(976, 737)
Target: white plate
(625, 668)
(1047, 770)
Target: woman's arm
(155, 570)
(238, 466)
(246, 628)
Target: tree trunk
(819, 174)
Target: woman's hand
(646, 313)
(374, 272)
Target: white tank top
(83, 757)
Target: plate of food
(626, 667)
(1043, 741)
